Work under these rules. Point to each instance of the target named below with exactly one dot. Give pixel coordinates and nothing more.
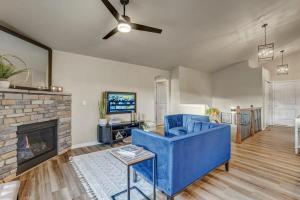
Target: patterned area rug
(102, 175)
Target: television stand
(114, 133)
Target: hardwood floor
(263, 167)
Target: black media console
(114, 133)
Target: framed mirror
(36, 56)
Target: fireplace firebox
(36, 143)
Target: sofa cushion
(181, 120)
(190, 125)
(175, 120)
(186, 119)
(169, 135)
(202, 126)
(178, 131)
(205, 126)
(213, 125)
(197, 126)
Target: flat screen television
(120, 102)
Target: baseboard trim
(86, 144)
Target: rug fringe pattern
(83, 181)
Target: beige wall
(195, 86)
(191, 91)
(237, 85)
(293, 60)
(86, 77)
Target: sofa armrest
(196, 154)
(161, 146)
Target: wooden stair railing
(248, 121)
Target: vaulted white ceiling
(202, 34)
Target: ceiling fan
(124, 23)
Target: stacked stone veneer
(19, 107)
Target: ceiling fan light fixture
(124, 27)
(124, 23)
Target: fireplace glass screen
(36, 143)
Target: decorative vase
(102, 122)
(4, 83)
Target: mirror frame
(34, 42)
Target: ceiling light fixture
(124, 27)
(282, 69)
(124, 23)
(265, 51)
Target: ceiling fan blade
(111, 33)
(112, 9)
(145, 28)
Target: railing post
(238, 125)
(252, 122)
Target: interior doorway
(161, 100)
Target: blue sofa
(182, 160)
(181, 124)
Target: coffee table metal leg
(134, 176)
(154, 178)
(128, 182)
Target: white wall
(191, 91)
(293, 60)
(195, 86)
(86, 77)
(267, 97)
(175, 91)
(237, 85)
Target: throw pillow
(205, 126)
(197, 126)
(190, 125)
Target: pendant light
(265, 51)
(282, 69)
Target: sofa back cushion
(213, 125)
(205, 126)
(190, 125)
(197, 127)
(174, 120)
(186, 118)
(202, 126)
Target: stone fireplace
(34, 126)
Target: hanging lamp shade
(282, 69)
(265, 51)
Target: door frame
(160, 79)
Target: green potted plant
(102, 110)
(214, 114)
(8, 69)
